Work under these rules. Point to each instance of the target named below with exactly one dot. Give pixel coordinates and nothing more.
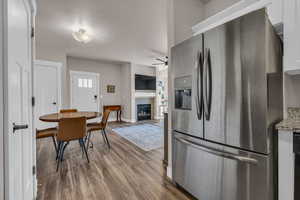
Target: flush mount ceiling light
(81, 36)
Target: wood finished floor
(123, 173)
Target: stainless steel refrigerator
(227, 97)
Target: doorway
(47, 90)
(84, 91)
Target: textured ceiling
(122, 30)
(205, 1)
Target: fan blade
(160, 60)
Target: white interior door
(19, 161)
(47, 90)
(84, 91)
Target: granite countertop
(292, 122)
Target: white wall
(144, 70)
(110, 74)
(214, 6)
(186, 14)
(291, 91)
(183, 14)
(126, 91)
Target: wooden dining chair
(47, 133)
(68, 110)
(70, 129)
(91, 127)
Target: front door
(84, 91)
(19, 165)
(46, 90)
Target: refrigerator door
(187, 104)
(214, 172)
(235, 82)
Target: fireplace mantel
(145, 94)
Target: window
(80, 83)
(90, 83)
(85, 83)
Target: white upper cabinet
(242, 7)
(275, 11)
(291, 18)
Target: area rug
(145, 136)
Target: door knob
(19, 127)
(54, 103)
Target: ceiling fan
(161, 61)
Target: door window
(85, 83)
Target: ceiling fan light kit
(81, 36)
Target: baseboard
(132, 121)
(158, 118)
(169, 172)
(128, 120)
(35, 186)
(112, 119)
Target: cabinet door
(291, 36)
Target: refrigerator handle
(218, 152)
(207, 94)
(198, 97)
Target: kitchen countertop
(292, 122)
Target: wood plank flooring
(124, 172)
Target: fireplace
(143, 112)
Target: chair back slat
(105, 117)
(71, 129)
(68, 110)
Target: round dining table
(55, 117)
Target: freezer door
(235, 82)
(213, 172)
(186, 69)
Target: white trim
(58, 66)
(33, 6)
(113, 119)
(292, 70)
(169, 172)
(158, 117)
(286, 159)
(83, 72)
(128, 120)
(236, 10)
(2, 47)
(145, 94)
(48, 63)
(99, 94)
